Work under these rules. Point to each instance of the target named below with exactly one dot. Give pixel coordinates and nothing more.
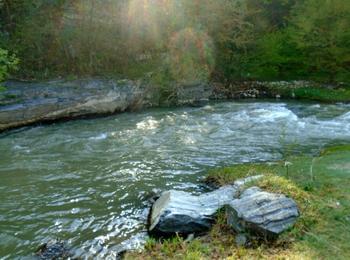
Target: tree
(320, 29)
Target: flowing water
(86, 181)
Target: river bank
(26, 103)
(319, 184)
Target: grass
(315, 94)
(320, 186)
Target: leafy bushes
(190, 40)
(8, 63)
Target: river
(86, 181)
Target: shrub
(8, 63)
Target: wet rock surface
(53, 250)
(261, 212)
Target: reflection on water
(86, 182)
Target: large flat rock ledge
(25, 103)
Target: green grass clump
(319, 185)
(322, 94)
(312, 93)
(227, 175)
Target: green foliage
(320, 29)
(321, 94)
(8, 63)
(187, 40)
(276, 58)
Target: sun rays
(164, 24)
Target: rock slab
(183, 213)
(264, 213)
(26, 103)
(53, 250)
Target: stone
(263, 213)
(53, 250)
(26, 103)
(52, 101)
(190, 238)
(183, 213)
(240, 183)
(196, 94)
(241, 240)
(136, 243)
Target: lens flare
(191, 56)
(166, 26)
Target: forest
(180, 40)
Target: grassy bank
(318, 94)
(321, 187)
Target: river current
(87, 181)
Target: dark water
(86, 181)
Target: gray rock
(240, 183)
(53, 250)
(241, 240)
(26, 103)
(135, 243)
(196, 94)
(261, 212)
(183, 213)
(190, 238)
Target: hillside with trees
(179, 40)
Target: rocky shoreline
(27, 103)
(249, 210)
(251, 213)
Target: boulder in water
(53, 250)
